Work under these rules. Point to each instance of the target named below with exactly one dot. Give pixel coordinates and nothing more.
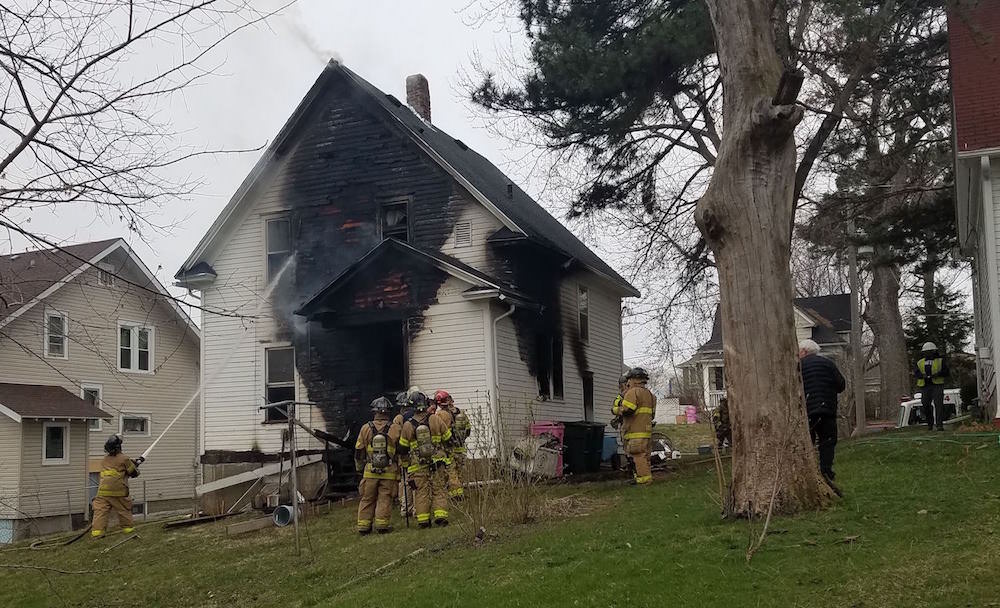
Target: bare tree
(84, 83)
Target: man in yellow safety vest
(931, 372)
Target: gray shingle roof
(832, 315)
(43, 401)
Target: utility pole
(857, 363)
(295, 474)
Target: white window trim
(295, 377)
(271, 217)
(45, 333)
(49, 462)
(121, 424)
(85, 386)
(579, 326)
(135, 327)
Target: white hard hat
(928, 346)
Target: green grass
(926, 515)
(687, 437)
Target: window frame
(293, 383)
(134, 328)
(121, 424)
(582, 312)
(105, 274)
(49, 313)
(283, 217)
(90, 386)
(51, 462)
(395, 201)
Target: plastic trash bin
(583, 445)
(610, 447)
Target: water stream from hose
(263, 301)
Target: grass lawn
(687, 437)
(924, 516)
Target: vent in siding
(463, 234)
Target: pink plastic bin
(555, 429)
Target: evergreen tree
(948, 325)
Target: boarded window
(279, 245)
(280, 385)
(55, 335)
(394, 219)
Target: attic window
(105, 275)
(394, 219)
(463, 234)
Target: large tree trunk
(886, 321)
(744, 215)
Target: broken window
(394, 219)
(135, 424)
(549, 370)
(583, 307)
(280, 385)
(279, 245)
(91, 393)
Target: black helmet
(418, 401)
(401, 399)
(637, 373)
(113, 445)
(381, 405)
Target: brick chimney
(418, 95)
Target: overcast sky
(266, 71)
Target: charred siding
(337, 169)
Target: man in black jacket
(821, 381)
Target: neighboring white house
(398, 256)
(974, 43)
(825, 319)
(90, 345)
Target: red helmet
(442, 397)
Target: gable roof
(28, 278)
(519, 212)
(19, 401)
(832, 315)
(477, 279)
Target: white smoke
(297, 25)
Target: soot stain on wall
(341, 165)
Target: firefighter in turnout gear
(113, 491)
(637, 408)
(458, 422)
(422, 449)
(931, 372)
(404, 493)
(375, 458)
(616, 417)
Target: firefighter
(403, 493)
(422, 447)
(113, 491)
(637, 407)
(616, 417)
(458, 422)
(931, 372)
(375, 458)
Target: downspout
(495, 397)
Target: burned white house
(398, 256)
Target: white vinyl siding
(450, 352)
(603, 353)
(10, 466)
(56, 335)
(94, 359)
(53, 490)
(233, 349)
(481, 222)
